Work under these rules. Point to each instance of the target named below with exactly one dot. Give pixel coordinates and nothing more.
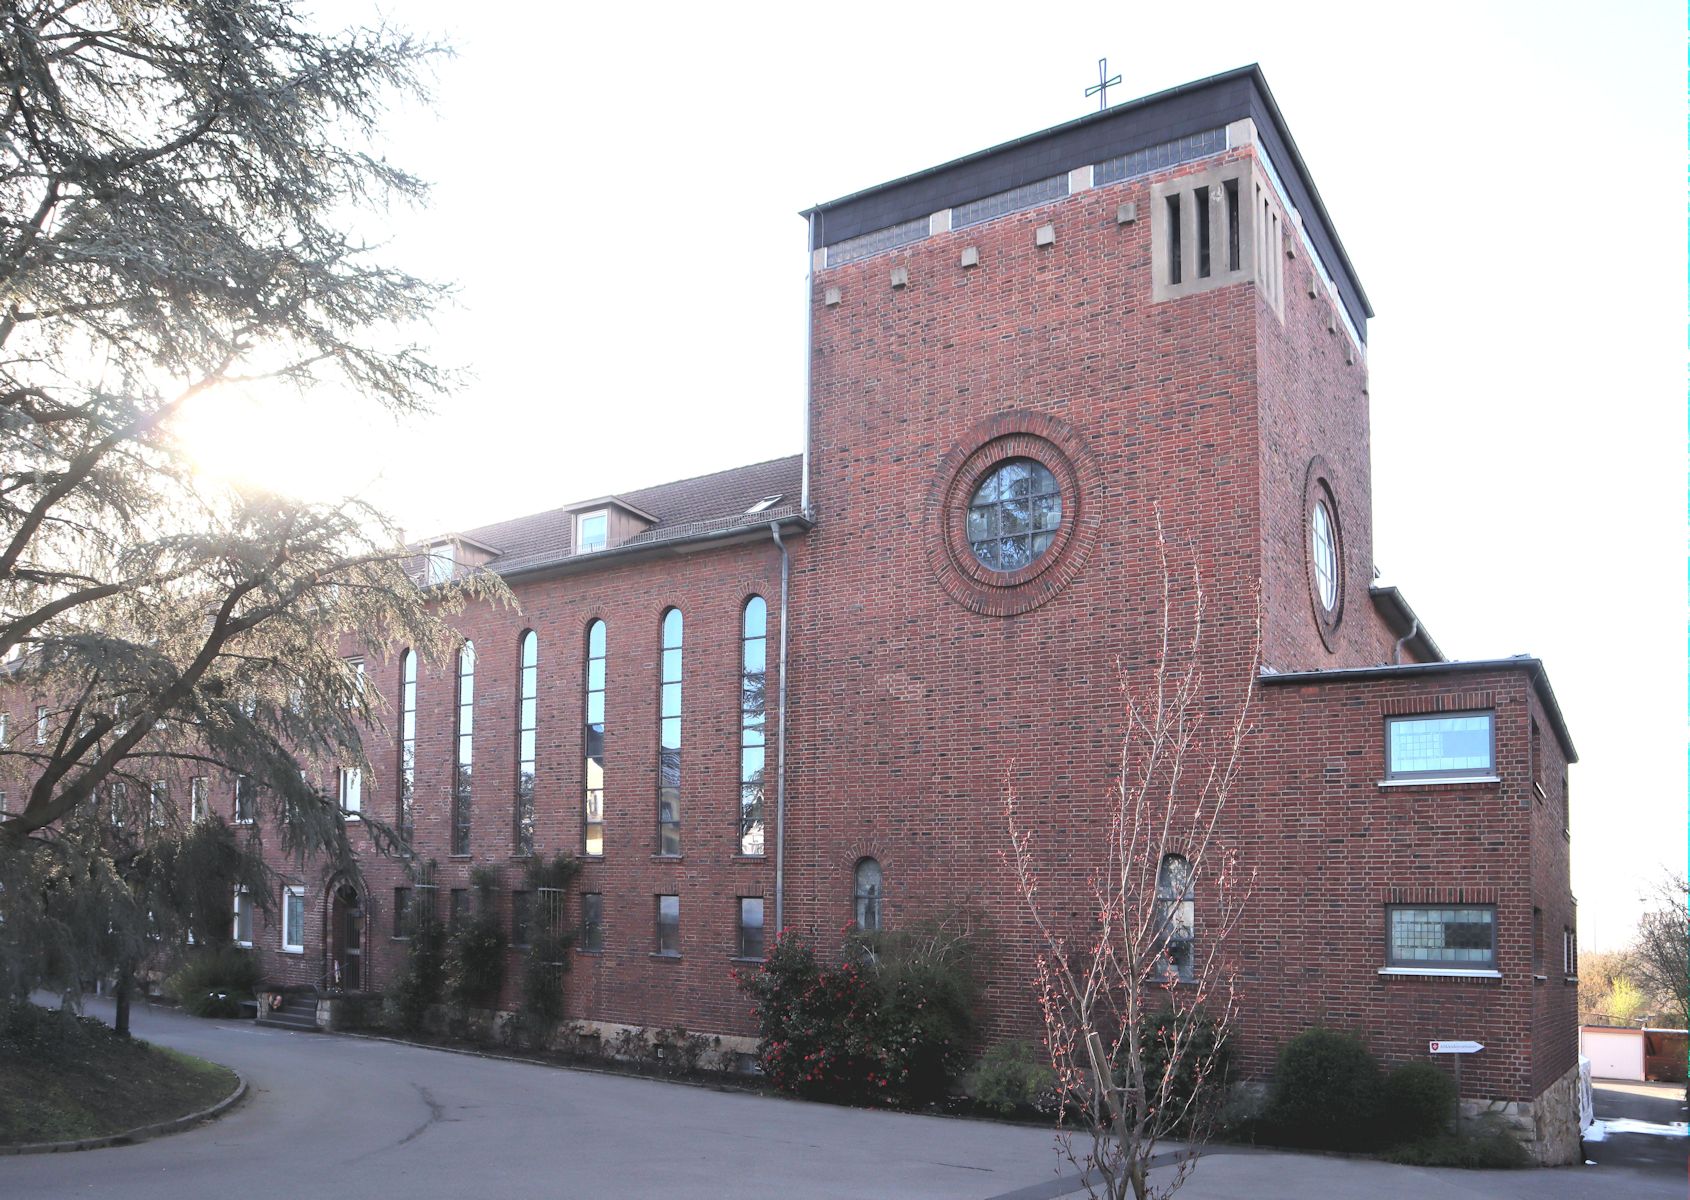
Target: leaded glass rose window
(1014, 515)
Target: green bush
(475, 951)
(214, 981)
(547, 958)
(1201, 1068)
(1325, 1092)
(1419, 1102)
(1011, 1077)
(887, 1025)
(1488, 1147)
(418, 985)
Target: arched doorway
(345, 943)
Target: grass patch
(68, 1077)
(1490, 1149)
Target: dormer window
(765, 503)
(439, 562)
(592, 531)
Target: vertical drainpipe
(780, 742)
(809, 345)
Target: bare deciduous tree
(1660, 957)
(1139, 1007)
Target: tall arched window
(868, 895)
(407, 744)
(592, 739)
(753, 707)
(527, 725)
(1176, 914)
(466, 749)
(669, 740)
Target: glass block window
(592, 921)
(1446, 746)
(753, 708)
(465, 763)
(593, 738)
(1028, 195)
(867, 895)
(750, 942)
(1014, 515)
(407, 744)
(527, 743)
(668, 925)
(1463, 938)
(669, 738)
(875, 241)
(1158, 157)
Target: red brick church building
(788, 694)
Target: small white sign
(1456, 1047)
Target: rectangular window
(462, 780)
(669, 738)
(668, 924)
(401, 912)
(1457, 938)
(158, 802)
(1230, 188)
(592, 531)
(593, 739)
(460, 905)
(1537, 940)
(199, 798)
(40, 724)
(1566, 807)
(293, 920)
(245, 807)
(592, 921)
(351, 791)
(1440, 747)
(5, 726)
(520, 910)
(1202, 195)
(243, 917)
(1173, 239)
(440, 562)
(751, 927)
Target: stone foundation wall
(1548, 1126)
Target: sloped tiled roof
(685, 509)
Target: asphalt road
(353, 1117)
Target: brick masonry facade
(921, 687)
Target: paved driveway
(360, 1118)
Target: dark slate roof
(701, 507)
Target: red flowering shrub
(883, 1026)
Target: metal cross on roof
(1104, 83)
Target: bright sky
(616, 190)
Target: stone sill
(1450, 972)
(1440, 781)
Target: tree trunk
(121, 994)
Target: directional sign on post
(1456, 1047)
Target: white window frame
(246, 820)
(5, 726)
(158, 792)
(352, 792)
(199, 799)
(40, 724)
(293, 940)
(243, 905)
(581, 519)
(441, 565)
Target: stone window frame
(1320, 486)
(982, 449)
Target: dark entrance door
(347, 939)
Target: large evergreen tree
(177, 180)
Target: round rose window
(1325, 555)
(1014, 515)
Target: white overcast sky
(615, 198)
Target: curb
(140, 1133)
